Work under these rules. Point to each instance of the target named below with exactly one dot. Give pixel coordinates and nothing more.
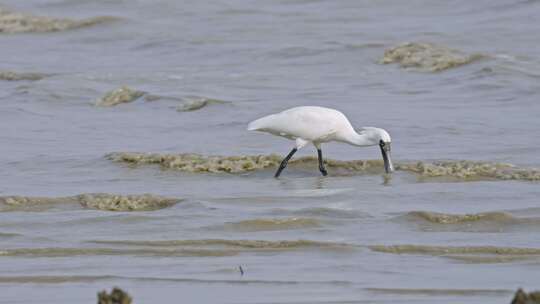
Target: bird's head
(378, 136)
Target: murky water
(458, 221)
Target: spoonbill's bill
(318, 125)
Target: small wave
(466, 254)
(70, 252)
(492, 259)
(54, 279)
(297, 52)
(476, 222)
(446, 250)
(244, 244)
(270, 224)
(118, 96)
(14, 22)
(14, 76)
(445, 218)
(439, 291)
(427, 57)
(99, 201)
(460, 170)
(326, 213)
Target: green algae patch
(118, 96)
(427, 57)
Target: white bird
(316, 125)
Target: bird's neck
(361, 140)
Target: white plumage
(316, 125)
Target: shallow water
(457, 222)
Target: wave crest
(271, 224)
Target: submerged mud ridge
(14, 22)
(446, 170)
(99, 201)
(14, 76)
(118, 96)
(427, 57)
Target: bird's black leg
(284, 162)
(321, 164)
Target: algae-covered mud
(427, 57)
(14, 76)
(449, 170)
(99, 201)
(17, 22)
(125, 159)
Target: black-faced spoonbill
(318, 125)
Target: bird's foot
(323, 172)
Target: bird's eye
(381, 143)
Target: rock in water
(121, 95)
(117, 296)
(521, 297)
(427, 57)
